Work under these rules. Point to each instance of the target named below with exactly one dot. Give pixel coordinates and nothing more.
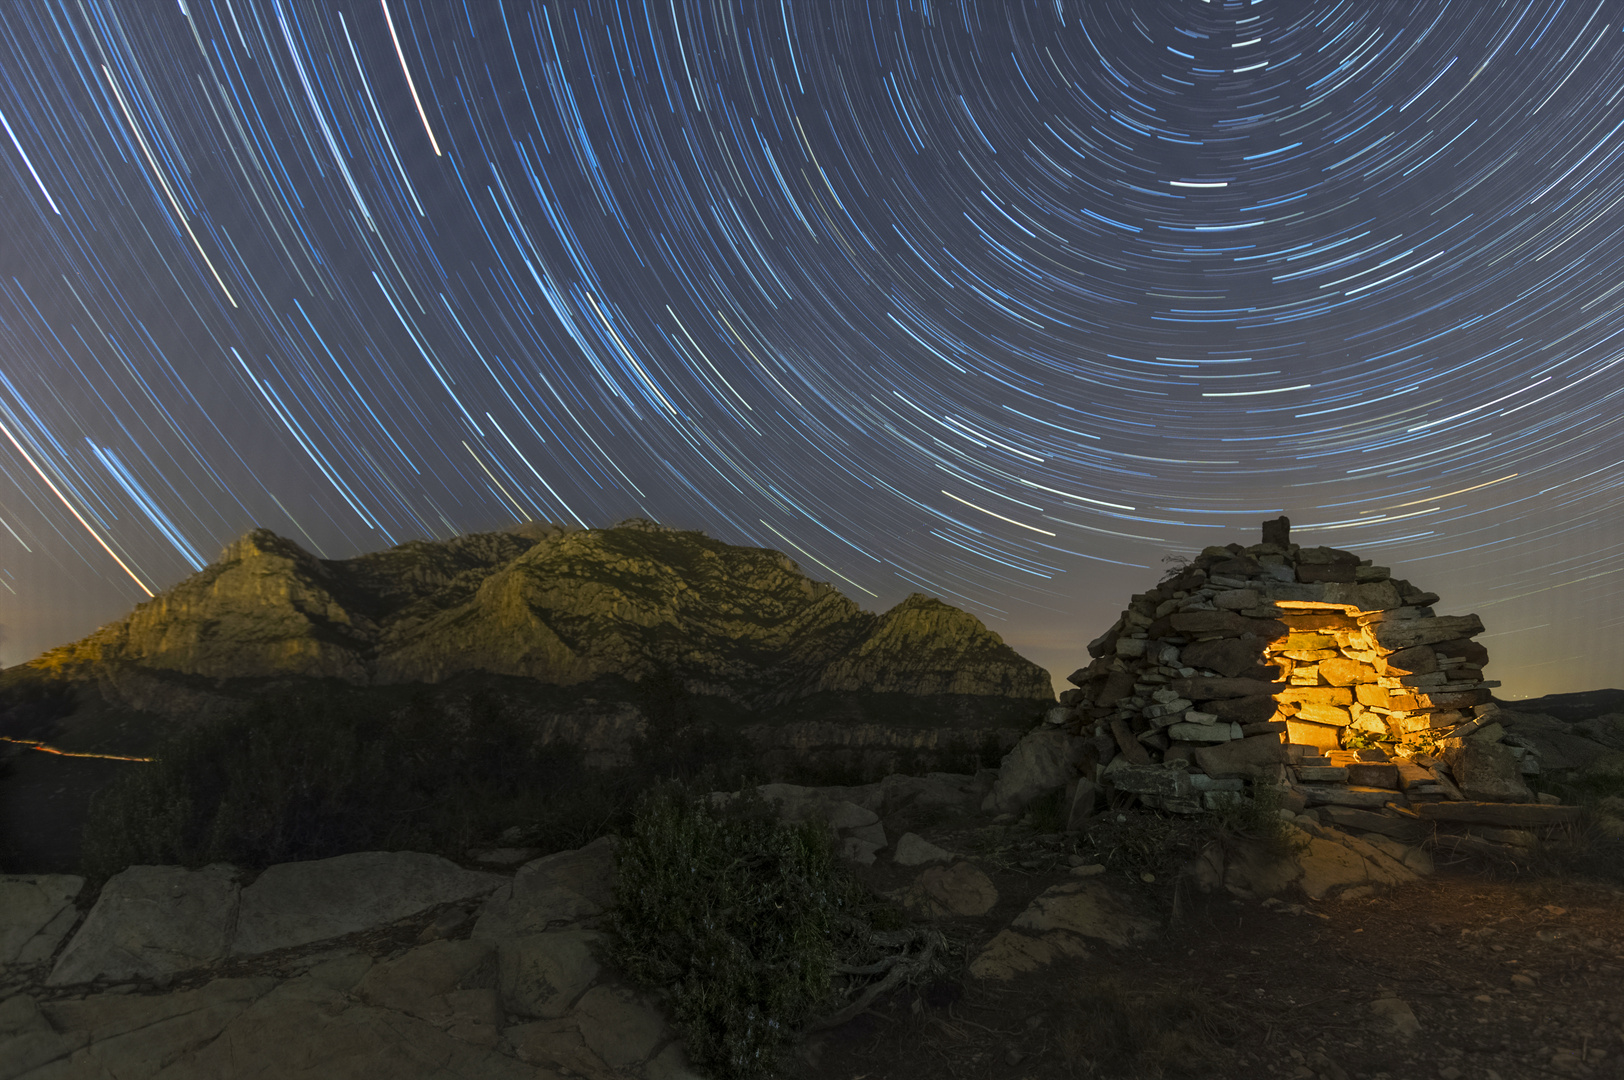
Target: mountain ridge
(555, 605)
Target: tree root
(899, 968)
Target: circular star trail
(1002, 302)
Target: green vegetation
(1258, 819)
(743, 920)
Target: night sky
(1000, 302)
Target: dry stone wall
(1308, 668)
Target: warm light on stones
(1308, 669)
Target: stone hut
(1308, 669)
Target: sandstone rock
(1507, 815)
(1348, 795)
(1208, 688)
(1408, 633)
(302, 1028)
(618, 1025)
(1041, 762)
(36, 913)
(563, 888)
(1231, 657)
(858, 851)
(1163, 780)
(418, 981)
(1329, 866)
(151, 921)
(542, 975)
(557, 1048)
(949, 891)
(1394, 1016)
(1242, 758)
(1487, 772)
(295, 903)
(914, 850)
(1243, 710)
(1011, 953)
(1090, 909)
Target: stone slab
(1506, 815)
(1348, 795)
(36, 913)
(151, 921)
(551, 893)
(297, 903)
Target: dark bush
(309, 775)
(734, 913)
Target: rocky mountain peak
(555, 605)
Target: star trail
(1001, 302)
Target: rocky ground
(1120, 966)
(1472, 974)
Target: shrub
(736, 916)
(1258, 818)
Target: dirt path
(1505, 979)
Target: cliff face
(555, 606)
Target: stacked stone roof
(1305, 666)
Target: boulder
(914, 850)
(1487, 772)
(550, 893)
(1089, 908)
(152, 921)
(1011, 953)
(36, 913)
(620, 1026)
(1328, 867)
(542, 975)
(949, 891)
(1041, 762)
(295, 903)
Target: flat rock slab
(542, 975)
(551, 893)
(1506, 815)
(1352, 795)
(1089, 908)
(297, 903)
(304, 1029)
(151, 921)
(36, 913)
(127, 1035)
